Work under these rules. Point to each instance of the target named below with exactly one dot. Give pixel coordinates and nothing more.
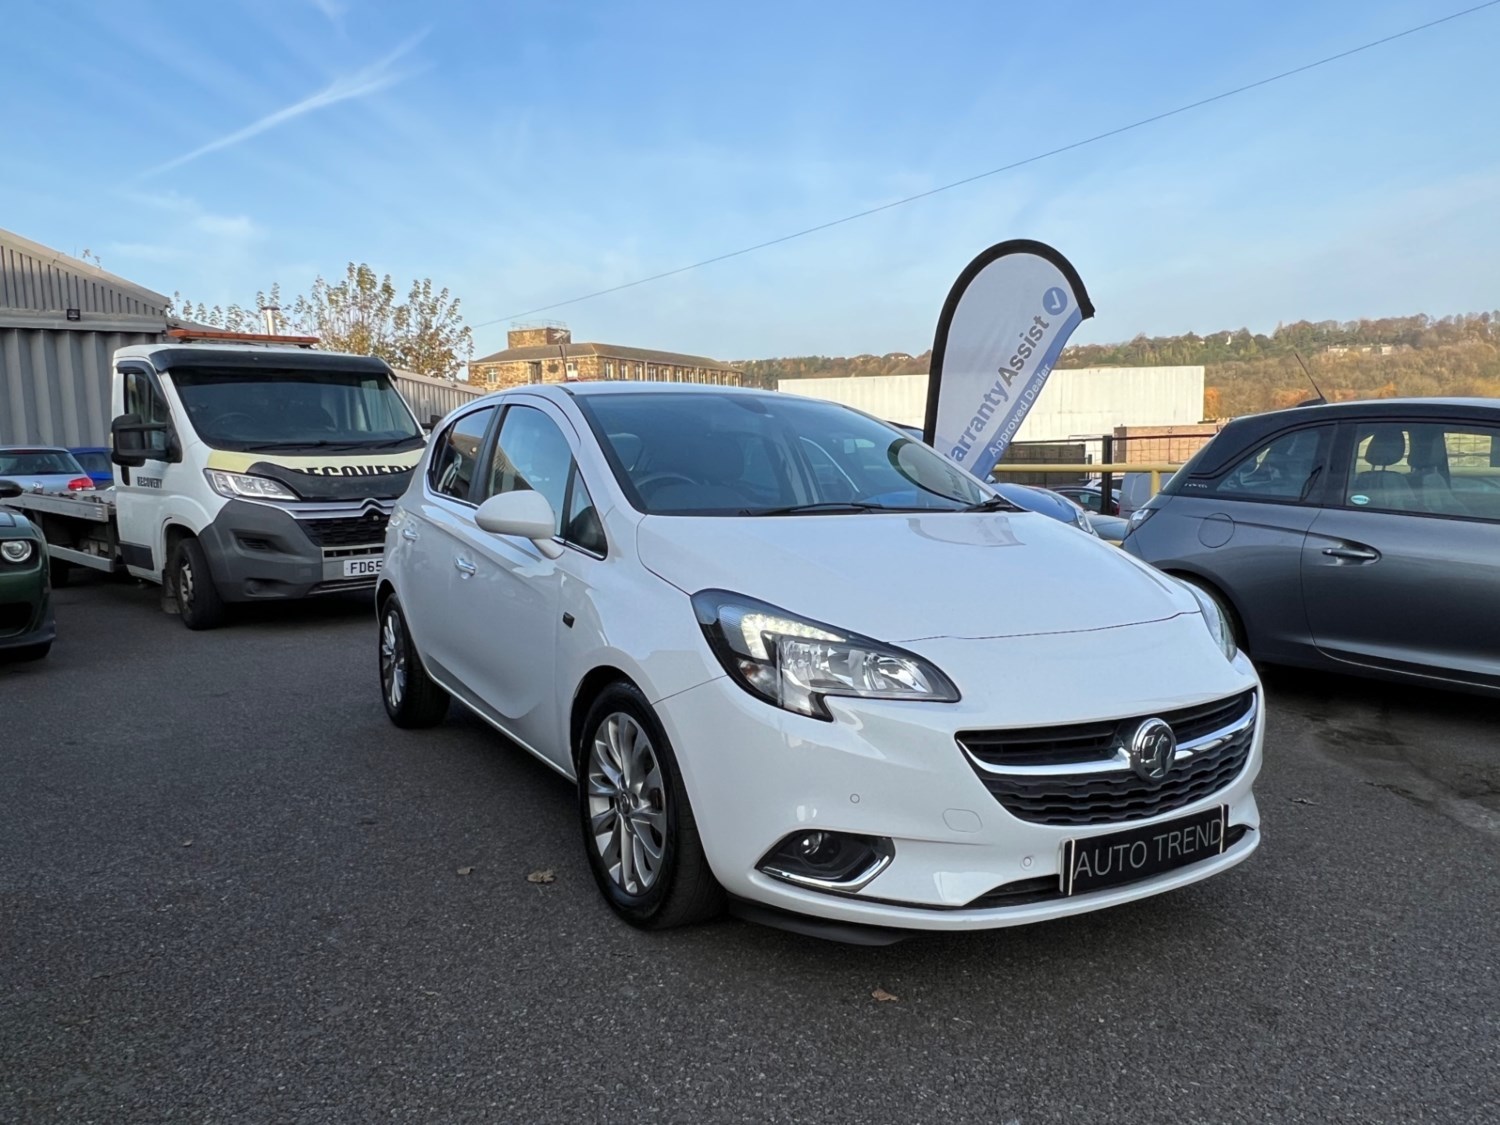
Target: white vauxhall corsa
(800, 662)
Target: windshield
(33, 462)
(290, 410)
(738, 454)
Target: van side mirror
(9, 490)
(524, 513)
(133, 442)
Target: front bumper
(26, 604)
(756, 774)
(262, 552)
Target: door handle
(1352, 554)
(464, 566)
(409, 534)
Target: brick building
(547, 354)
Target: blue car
(96, 463)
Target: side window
(1285, 468)
(532, 453)
(142, 398)
(1431, 468)
(581, 525)
(457, 453)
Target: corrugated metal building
(60, 322)
(1082, 401)
(429, 396)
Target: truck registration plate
(362, 568)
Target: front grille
(347, 531)
(1063, 798)
(1094, 742)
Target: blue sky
(525, 153)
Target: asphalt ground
(230, 890)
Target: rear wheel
(638, 826)
(59, 573)
(198, 601)
(412, 698)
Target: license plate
(1123, 857)
(362, 568)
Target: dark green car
(26, 625)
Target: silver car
(40, 468)
(1362, 537)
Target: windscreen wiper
(830, 507)
(993, 504)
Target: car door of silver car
(435, 531)
(1402, 567)
(1242, 532)
(514, 612)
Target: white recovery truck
(247, 468)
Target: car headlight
(1218, 624)
(794, 663)
(240, 486)
(16, 550)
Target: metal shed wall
(433, 396)
(54, 384)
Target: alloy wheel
(392, 659)
(627, 803)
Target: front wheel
(412, 698)
(638, 826)
(198, 601)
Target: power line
(1006, 167)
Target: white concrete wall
(1084, 401)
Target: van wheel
(638, 827)
(59, 573)
(412, 698)
(198, 601)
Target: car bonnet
(910, 576)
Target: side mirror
(525, 514)
(133, 442)
(9, 490)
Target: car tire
(412, 699)
(631, 803)
(1217, 597)
(198, 601)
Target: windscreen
(739, 454)
(289, 410)
(38, 463)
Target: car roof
(1244, 432)
(33, 449)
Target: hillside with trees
(1246, 372)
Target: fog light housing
(844, 862)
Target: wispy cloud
(333, 9)
(361, 84)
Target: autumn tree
(360, 313)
